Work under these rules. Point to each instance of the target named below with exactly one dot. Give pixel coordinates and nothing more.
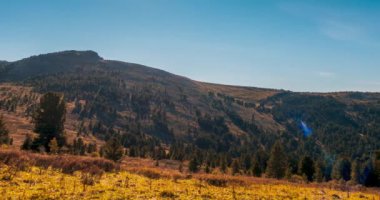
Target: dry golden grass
(244, 93)
(36, 183)
(76, 177)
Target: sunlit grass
(36, 183)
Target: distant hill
(149, 106)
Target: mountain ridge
(85, 54)
(148, 106)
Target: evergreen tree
(4, 133)
(355, 172)
(79, 147)
(235, 167)
(306, 167)
(376, 169)
(318, 175)
(277, 162)
(256, 169)
(207, 169)
(368, 176)
(289, 172)
(247, 162)
(113, 149)
(28, 142)
(92, 147)
(49, 120)
(193, 165)
(223, 164)
(132, 151)
(342, 169)
(53, 146)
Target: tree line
(49, 118)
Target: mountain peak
(87, 55)
(49, 63)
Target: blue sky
(305, 45)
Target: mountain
(148, 107)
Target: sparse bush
(67, 163)
(150, 173)
(297, 179)
(221, 181)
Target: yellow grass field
(37, 183)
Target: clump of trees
(209, 145)
(49, 121)
(113, 149)
(277, 163)
(4, 134)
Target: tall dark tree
(256, 169)
(4, 133)
(376, 168)
(235, 167)
(306, 167)
(79, 147)
(28, 142)
(318, 175)
(193, 165)
(277, 163)
(113, 149)
(355, 172)
(342, 169)
(223, 164)
(49, 120)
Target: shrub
(67, 163)
(149, 173)
(221, 181)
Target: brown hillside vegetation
(19, 122)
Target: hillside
(151, 108)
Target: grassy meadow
(33, 176)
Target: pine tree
(342, 169)
(132, 151)
(49, 120)
(193, 165)
(256, 169)
(376, 169)
(318, 175)
(306, 167)
(235, 167)
(113, 149)
(92, 147)
(53, 146)
(223, 164)
(277, 162)
(28, 142)
(4, 133)
(289, 172)
(247, 163)
(207, 169)
(79, 147)
(355, 172)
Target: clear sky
(304, 45)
